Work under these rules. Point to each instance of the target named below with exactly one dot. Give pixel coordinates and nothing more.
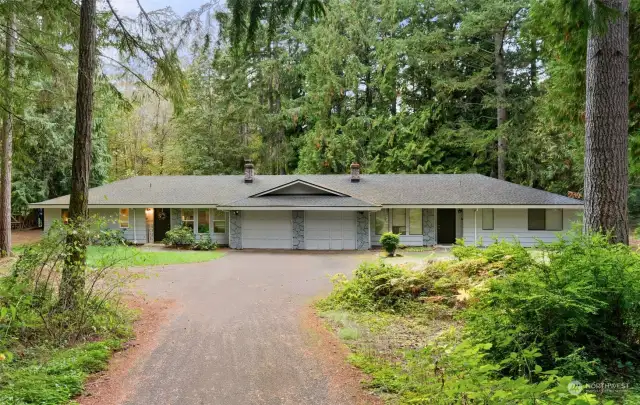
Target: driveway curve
(238, 338)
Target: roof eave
(478, 206)
(298, 208)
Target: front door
(446, 226)
(161, 223)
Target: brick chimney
(248, 171)
(355, 172)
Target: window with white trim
(415, 221)
(219, 221)
(123, 218)
(553, 220)
(487, 219)
(187, 217)
(545, 219)
(203, 220)
(399, 221)
(381, 219)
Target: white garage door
(330, 230)
(266, 230)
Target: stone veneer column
(429, 226)
(362, 230)
(298, 229)
(235, 230)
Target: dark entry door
(161, 223)
(446, 226)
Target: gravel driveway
(237, 337)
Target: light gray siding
(50, 215)
(510, 224)
(137, 230)
(110, 215)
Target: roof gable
(299, 187)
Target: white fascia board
(282, 208)
(299, 181)
(511, 206)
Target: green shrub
(453, 373)
(29, 299)
(382, 287)
(54, 360)
(365, 292)
(205, 243)
(180, 236)
(390, 242)
(109, 237)
(579, 305)
(507, 256)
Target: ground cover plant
(47, 350)
(497, 324)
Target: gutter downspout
(475, 227)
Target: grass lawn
(130, 256)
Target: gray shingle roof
(377, 189)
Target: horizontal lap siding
(50, 215)
(110, 216)
(511, 224)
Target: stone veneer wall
(298, 229)
(429, 227)
(235, 230)
(362, 230)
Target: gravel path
(238, 337)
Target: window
(187, 217)
(123, 219)
(554, 220)
(382, 222)
(415, 221)
(545, 220)
(219, 222)
(487, 219)
(537, 220)
(203, 220)
(399, 221)
(64, 215)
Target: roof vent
(355, 172)
(248, 171)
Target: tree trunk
(500, 97)
(606, 169)
(73, 277)
(7, 138)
